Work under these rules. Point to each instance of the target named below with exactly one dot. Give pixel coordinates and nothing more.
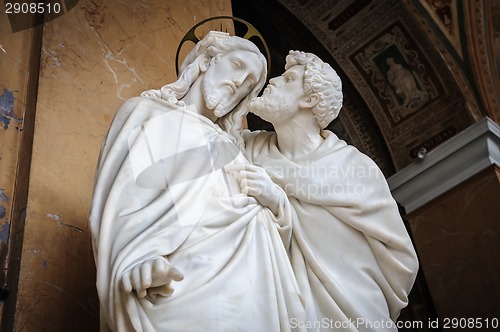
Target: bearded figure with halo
(167, 216)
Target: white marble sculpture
(351, 254)
(294, 231)
(167, 216)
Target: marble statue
(351, 254)
(167, 215)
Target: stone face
(361, 36)
(94, 57)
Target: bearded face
(229, 79)
(215, 99)
(273, 109)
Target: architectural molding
(481, 38)
(448, 165)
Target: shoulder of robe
(139, 108)
(137, 102)
(130, 105)
(250, 136)
(349, 157)
(355, 156)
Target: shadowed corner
(28, 14)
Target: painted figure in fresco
(403, 81)
(167, 215)
(351, 254)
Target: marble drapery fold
(230, 249)
(351, 254)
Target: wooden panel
(93, 58)
(457, 239)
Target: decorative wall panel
(415, 95)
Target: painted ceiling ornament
(250, 32)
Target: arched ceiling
(405, 81)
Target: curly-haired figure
(350, 252)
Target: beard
(215, 98)
(214, 101)
(273, 109)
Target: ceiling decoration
(444, 13)
(483, 32)
(284, 32)
(416, 97)
(404, 90)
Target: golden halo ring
(251, 32)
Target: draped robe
(161, 192)
(352, 256)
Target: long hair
(214, 43)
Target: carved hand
(254, 181)
(152, 277)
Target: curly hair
(322, 79)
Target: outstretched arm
(151, 278)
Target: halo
(250, 32)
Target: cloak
(351, 254)
(161, 192)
